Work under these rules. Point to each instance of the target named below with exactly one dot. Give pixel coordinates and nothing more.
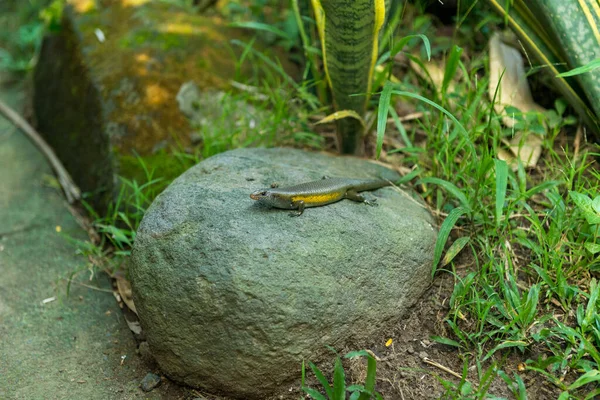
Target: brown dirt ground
(402, 372)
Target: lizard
(317, 193)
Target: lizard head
(269, 198)
(263, 195)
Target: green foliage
(120, 223)
(22, 30)
(555, 42)
(338, 389)
(349, 32)
(532, 242)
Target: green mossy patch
(106, 84)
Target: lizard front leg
(355, 196)
(299, 206)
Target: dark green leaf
(321, 378)
(339, 381)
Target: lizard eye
(263, 193)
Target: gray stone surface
(71, 347)
(232, 296)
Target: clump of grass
(528, 237)
(337, 390)
(531, 236)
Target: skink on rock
(317, 193)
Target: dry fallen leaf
(508, 84)
(124, 288)
(435, 71)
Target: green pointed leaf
(370, 379)
(592, 65)
(339, 381)
(584, 203)
(596, 204)
(341, 115)
(451, 67)
(454, 249)
(504, 345)
(588, 377)
(444, 233)
(501, 184)
(260, 27)
(593, 248)
(382, 114)
(446, 341)
(321, 378)
(313, 393)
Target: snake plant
(350, 31)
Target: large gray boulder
(233, 296)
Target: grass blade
(314, 393)
(450, 188)
(370, 379)
(339, 381)
(258, 26)
(501, 183)
(442, 109)
(446, 341)
(588, 377)
(400, 127)
(444, 233)
(592, 65)
(382, 113)
(451, 67)
(321, 378)
(454, 249)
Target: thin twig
(440, 366)
(408, 117)
(71, 190)
(577, 143)
(92, 287)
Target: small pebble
(150, 382)
(423, 355)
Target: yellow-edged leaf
(340, 115)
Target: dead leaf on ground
(508, 83)
(124, 288)
(528, 150)
(435, 71)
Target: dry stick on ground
(71, 190)
(440, 366)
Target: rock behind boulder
(233, 296)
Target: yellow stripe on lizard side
(317, 198)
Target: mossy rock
(105, 85)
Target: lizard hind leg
(355, 196)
